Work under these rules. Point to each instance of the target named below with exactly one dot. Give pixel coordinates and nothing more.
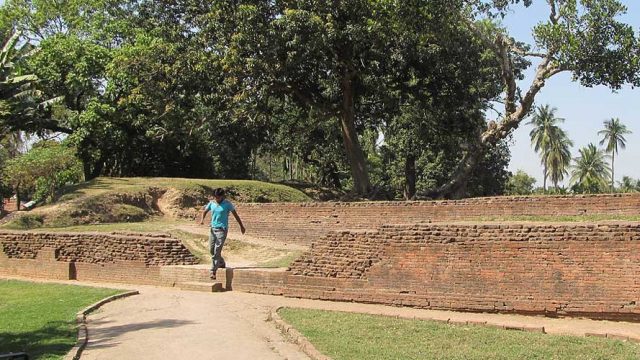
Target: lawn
(40, 319)
(357, 336)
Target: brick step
(200, 286)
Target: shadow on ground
(56, 338)
(105, 337)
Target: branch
(507, 74)
(554, 17)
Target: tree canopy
(378, 96)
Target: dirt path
(245, 250)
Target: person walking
(220, 209)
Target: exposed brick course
(569, 269)
(116, 257)
(306, 222)
(148, 249)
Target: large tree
(613, 136)
(366, 65)
(581, 37)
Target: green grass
(238, 190)
(283, 261)
(357, 336)
(155, 224)
(39, 319)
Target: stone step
(215, 286)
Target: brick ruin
(425, 256)
(307, 222)
(560, 269)
(116, 256)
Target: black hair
(218, 192)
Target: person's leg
(212, 242)
(219, 236)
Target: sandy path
(173, 324)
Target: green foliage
(227, 89)
(552, 143)
(613, 135)
(590, 171)
(45, 168)
(520, 183)
(26, 221)
(629, 184)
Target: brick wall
(149, 249)
(561, 269)
(304, 222)
(114, 257)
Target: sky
(584, 109)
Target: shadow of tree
(56, 338)
(106, 336)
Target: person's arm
(205, 210)
(235, 215)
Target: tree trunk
(612, 177)
(18, 197)
(544, 178)
(352, 147)
(335, 177)
(97, 169)
(454, 189)
(410, 178)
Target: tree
(18, 96)
(613, 136)
(49, 164)
(558, 156)
(582, 37)
(520, 183)
(590, 170)
(629, 184)
(142, 94)
(428, 112)
(342, 62)
(545, 132)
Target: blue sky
(584, 109)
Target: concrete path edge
(293, 335)
(83, 335)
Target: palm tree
(590, 170)
(613, 136)
(14, 86)
(544, 133)
(558, 156)
(628, 184)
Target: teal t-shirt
(219, 213)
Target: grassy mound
(113, 200)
